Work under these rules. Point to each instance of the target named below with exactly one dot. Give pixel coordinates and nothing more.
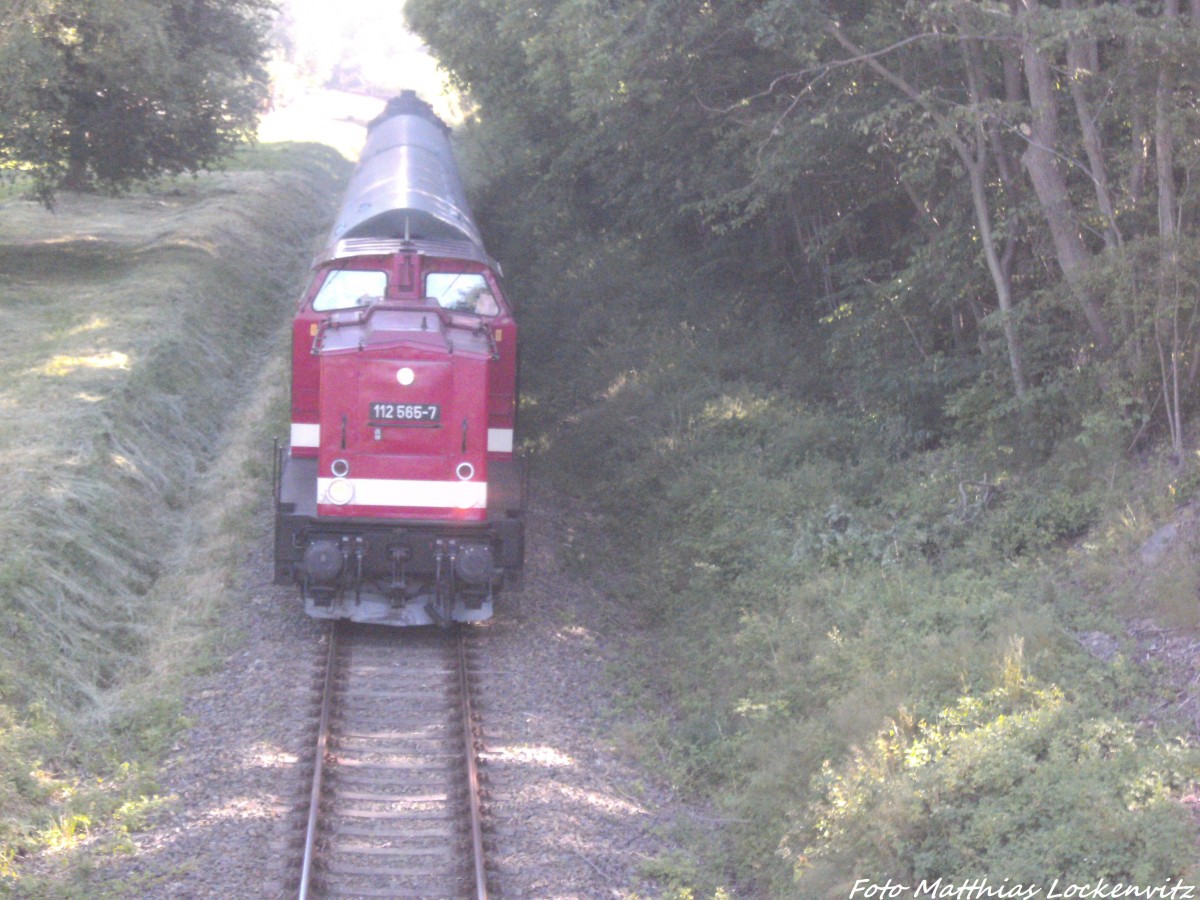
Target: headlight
(340, 492)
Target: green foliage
(1033, 519)
(807, 572)
(1017, 783)
(104, 93)
(794, 542)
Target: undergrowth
(138, 330)
(864, 647)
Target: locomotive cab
(398, 498)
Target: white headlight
(340, 492)
(406, 376)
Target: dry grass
(228, 516)
(132, 324)
(139, 332)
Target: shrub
(1033, 519)
(1019, 783)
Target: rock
(1158, 543)
(1100, 645)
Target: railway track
(394, 809)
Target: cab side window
(461, 292)
(346, 288)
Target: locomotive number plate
(405, 413)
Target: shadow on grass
(59, 261)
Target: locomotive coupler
(397, 585)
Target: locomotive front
(398, 498)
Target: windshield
(461, 292)
(344, 288)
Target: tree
(1082, 97)
(943, 187)
(105, 93)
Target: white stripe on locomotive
(409, 493)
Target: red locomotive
(399, 499)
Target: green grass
(144, 350)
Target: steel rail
(314, 803)
(481, 890)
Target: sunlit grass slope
(134, 329)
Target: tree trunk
(973, 156)
(999, 265)
(76, 178)
(1167, 331)
(1050, 185)
(79, 111)
(1000, 278)
(1081, 65)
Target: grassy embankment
(142, 378)
(875, 666)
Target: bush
(1019, 783)
(1031, 520)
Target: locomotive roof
(406, 187)
(447, 249)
